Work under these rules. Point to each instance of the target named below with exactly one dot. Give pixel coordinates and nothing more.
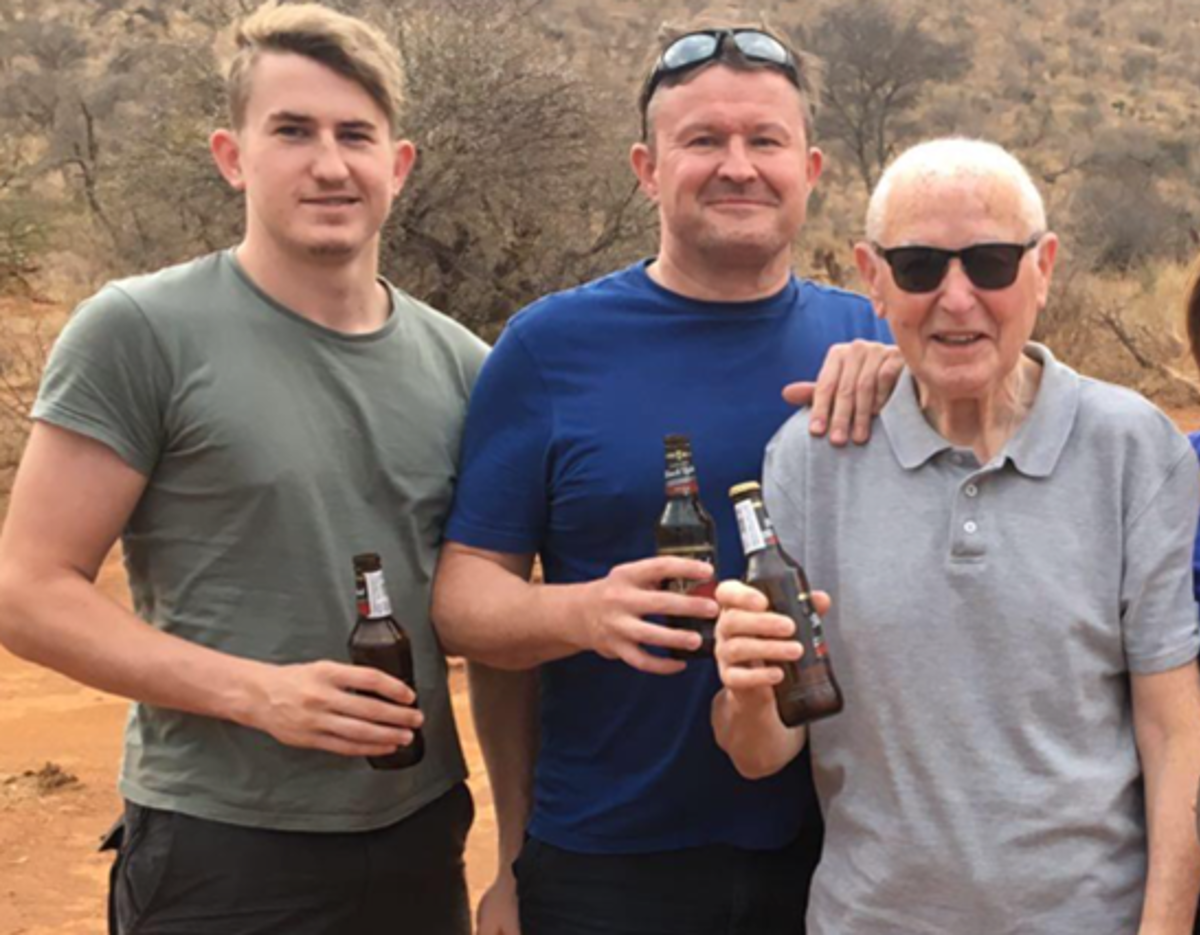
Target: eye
(357, 136)
(701, 141)
(291, 131)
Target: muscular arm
(71, 499)
(504, 705)
(486, 609)
(1166, 718)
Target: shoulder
(440, 328)
(568, 307)
(1128, 419)
(846, 315)
(183, 286)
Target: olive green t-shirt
(275, 450)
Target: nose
(328, 164)
(957, 293)
(737, 166)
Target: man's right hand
(497, 913)
(327, 706)
(614, 613)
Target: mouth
(962, 339)
(333, 201)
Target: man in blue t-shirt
(639, 823)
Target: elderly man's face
(730, 166)
(960, 341)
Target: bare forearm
(504, 705)
(1173, 879)
(1166, 717)
(752, 734)
(496, 616)
(64, 623)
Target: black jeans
(698, 891)
(177, 875)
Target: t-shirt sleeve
(107, 379)
(1158, 606)
(501, 500)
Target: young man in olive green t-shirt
(246, 423)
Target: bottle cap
(750, 486)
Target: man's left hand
(855, 382)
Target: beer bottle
(809, 691)
(685, 529)
(377, 640)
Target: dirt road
(60, 745)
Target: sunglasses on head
(699, 48)
(988, 265)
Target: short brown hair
(349, 46)
(808, 66)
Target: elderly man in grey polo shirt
(1012, 619)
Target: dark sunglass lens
(993, 266)
(689, 50)
(760, 46)
(917, 269)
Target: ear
(871, 268)
(816, 162)
(645, 167)
(227, 154)
(405, 159)
(1047, 254)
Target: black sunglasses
(699, 48)
(987, 265)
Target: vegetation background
(523, 113)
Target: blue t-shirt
(563, 456)
(1194, 438)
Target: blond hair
(351, 47)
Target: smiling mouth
(958, 340)
(338, 202)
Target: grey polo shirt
(986, 618)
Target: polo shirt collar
(1034, 450)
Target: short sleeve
(1158, 607)
(501, 501)
(107, 379)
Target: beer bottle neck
(371, 593)
(754, 526)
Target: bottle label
(749, 529)
(378, 604)
(681, 477)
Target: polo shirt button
(970, 526)
(972, 490)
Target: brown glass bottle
(685, 529)
(377, 640)
(809, 691)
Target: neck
(986, 423)
(721, 282)
(342, 294)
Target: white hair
(952, 158)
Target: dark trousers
(698, 891)
(177, 875)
